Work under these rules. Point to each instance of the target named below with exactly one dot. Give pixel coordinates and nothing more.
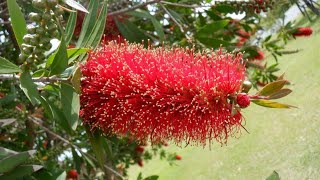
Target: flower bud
(243, 100)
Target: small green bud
(52, 27)
(47, 46)
(40, 4)
(30, 59)
(34, 17)
(41, 31)
(31, 29)
(46, 17)
(52, 3)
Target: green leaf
(274, 176)
(131, 32)
(29, 88)
(211, 28)
(280, 94)
(271, 104)
(21, 171)
(60, 61)
(17, 20)
(6, 122)
(62, 176)
(6, 152)
(71, 24)
(153, 177)
(76, 5)
(156, 24)
(10, 162)
(96, 141)
(98, 30)
(71, 104)
(213, 42)
(72, 52)
(76, 79)
(88, 23)
(7, 67)
(272, 88)
(59, 117)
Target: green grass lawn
(287, 141)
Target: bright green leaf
(10, 162)
(96, 141)
(17, 20)
(71, 104)
(88, 23)
(7, 67)
(153, 177)
(29, 88)
(76, 5)
(274, 176)
(270, 104)
(76, 79)
(272, 88)
(60, 61)
(71, 24)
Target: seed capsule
(34, 17)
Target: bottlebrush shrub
(304, 31)
(165, 94)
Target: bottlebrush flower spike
(164, 94)
(306, 31)
(259, 56)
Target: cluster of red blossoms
(303, 31)
(164, 94)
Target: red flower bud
(140, 162)
(259, 56)
(178, 157)
(243, 100)
(306, 31)
(139, 149)
(72, 174)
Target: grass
(287, 141)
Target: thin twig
(173, 19)
(39, 122)
(41, 79)
(122, 11)
(183, 5)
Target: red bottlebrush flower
(164, 94)
(178, 157)
(243, 100)
(306, 31)
(241, 41)
(72, 174)
(243, 33)
(140, 162)
(139, 149)
(259, 56)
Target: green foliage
(7, 67)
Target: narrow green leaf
(76, 5)
(59, 117)
(60, 61)
(6, 122)
(71, 104)
(29, 88)
(76, 79)
(211, 28)
(6, 152)
(272, 88)
(274, 176)
(71, 24)
(213, 42)
(280, 94)
(17, 20)
(271, 104)
(7, 67)
(96, 141)
(153, 177)
(131, 32)
(10, 162)
(98, 30)
(88, 22)
(21, 171)
(62, 176)
(156, 24)
(71, 53)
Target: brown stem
(122, 11)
